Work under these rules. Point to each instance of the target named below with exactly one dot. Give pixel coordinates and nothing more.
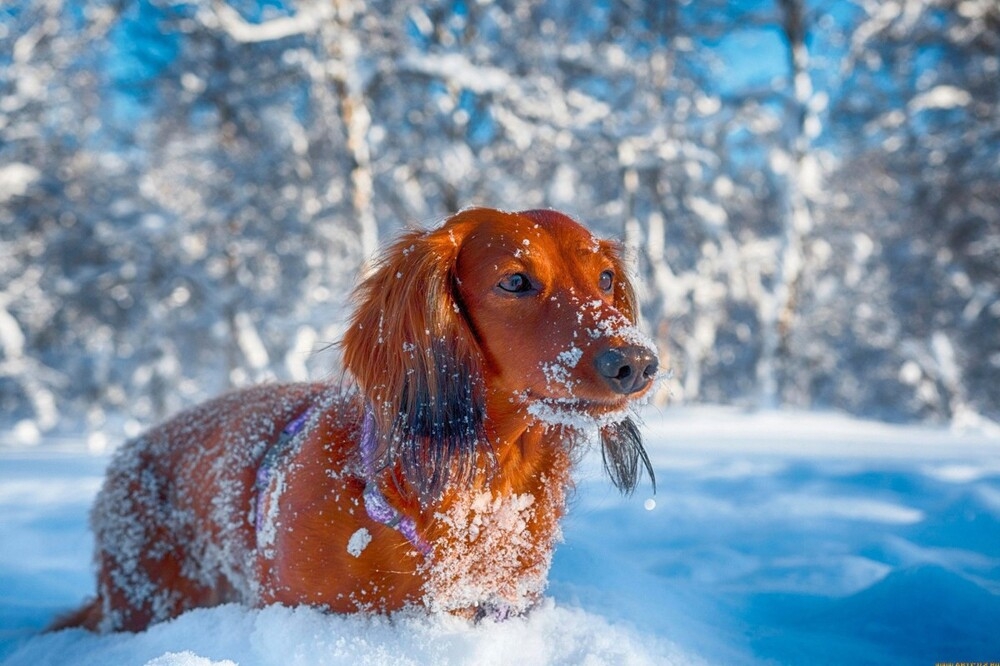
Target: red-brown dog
(483, 352)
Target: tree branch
(307, 20)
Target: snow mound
(914, 615)
(285, 636)
(775, 538)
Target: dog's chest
(494, 552)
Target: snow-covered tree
(809, 197)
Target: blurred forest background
(810, 191)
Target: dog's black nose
(627, 369)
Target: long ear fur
(416, 361)
(621, 443)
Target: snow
(489, 554)
(940, 97)
(249, 342)
(775, 538)
(459, 71)
(16, 179)
(309, 18)
(358, 542)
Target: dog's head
(528, 308)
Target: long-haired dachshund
(482, 353)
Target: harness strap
(270, 461)
(377, 506)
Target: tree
(920, 125)
(189, 187)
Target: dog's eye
(607, 281)
(518, 283)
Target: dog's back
(174, 521)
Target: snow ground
(775, 538)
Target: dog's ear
(417, 363)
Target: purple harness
(376, 505)
(270, 461)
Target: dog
(480, 356)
